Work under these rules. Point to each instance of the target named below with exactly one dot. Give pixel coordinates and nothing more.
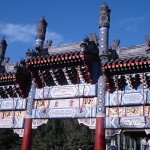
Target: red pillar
(26, 142)
(99, 134)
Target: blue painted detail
(147, 125)
(30, 101)
(101, 97)
(127, 87)
(140, 87)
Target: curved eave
(127, 66)
(7, 78)
(56, 60)
(15, 83)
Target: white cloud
(55, 37)
(17, 33)
(132, 24)
(25, 33)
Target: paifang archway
(52, 82)
(85, 80)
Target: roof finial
(41, 31)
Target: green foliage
(57, 134)
(63, 134)
(9, 140)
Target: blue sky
(70, 21)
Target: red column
(26, 143)
(99, 134)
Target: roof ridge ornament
(3, 46)
(115, 44)
(48, 43)
(147, 38)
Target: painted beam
(66, 103)
(65, 108)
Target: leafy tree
(57, 134)
(49, 136)
(63, 134)
(78, 136)
(9, 140)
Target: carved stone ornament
(5, 61)
(48, 43)
(111, 132)
(38, 122)
(147, 131)
(115, 44)
(20, 132)
(104, 16)
(147, 38)
(90, 122)
(146, 142)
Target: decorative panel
(20, 132)
(12, 104)
(128, 111)
(65, 112)
(66, 91)
(128, 97)
(111, 132)
(38, 122)
(12, 123)
(12, 114)
(127, 122)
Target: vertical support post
(124, 142)
(107, 146)
(103, 48)
(134, 144)
(118, 141)
(141, 144)
(26, 142)
(130, 143)
(99, 134)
